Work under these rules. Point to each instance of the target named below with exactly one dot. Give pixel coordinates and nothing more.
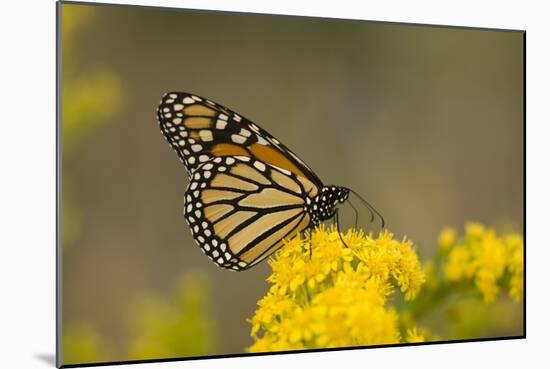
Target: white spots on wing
(208, 166)
(178, 107)
(165, 110)
(173, 96)
(191, 160)
(188, 100)
(220, 124)
(196, 98)
(181, 143)
(242, 264)
(236, 117)
(259, 165)
(203, 158)
(222, 116)
(196, 148)
(176, 120)
(206, 135)
(245, 132)
(222, 169)
(229, 161)
(238, 139)
(262, 141)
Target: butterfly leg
(310, 231)
(338, 228)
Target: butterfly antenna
(370, 207)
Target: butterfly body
(247, 191)
(323, 206)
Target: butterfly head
(323, 206)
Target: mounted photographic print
(234, 184)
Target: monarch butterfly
(247, 191)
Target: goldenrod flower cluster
(336, 295)
(484, 258)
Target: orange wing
(199, 129)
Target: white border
(27, 184)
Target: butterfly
(247, 191)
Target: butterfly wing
(199, 129)
(240, 209)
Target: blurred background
(425, 122)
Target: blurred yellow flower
(176, 327)
(83, 344)
(91, 97)
(414, 336)
(338, 295)
(483, 257)
(515, 265)
(447, 238)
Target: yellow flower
(458, 260)
(474, 230)
(83, 344)
(414, 336)
(515, 265)
(174, 326)
(338, 295)
(485, 258)
(447, 238)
